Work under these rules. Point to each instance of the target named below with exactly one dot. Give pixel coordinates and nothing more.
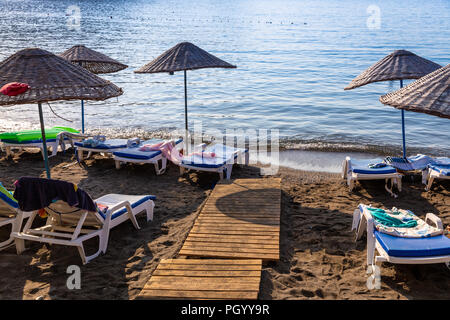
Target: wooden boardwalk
(240, 220)
(204, 279)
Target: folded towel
(151, 147)
(401, 223)
(133, 142)
(94, 141)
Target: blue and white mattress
(441, 165)
(103, 145)
(136, 154)
(370, 166)
(223, 155)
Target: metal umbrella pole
(403, 126)
(44, 141)
(185, 113)
(82, 110)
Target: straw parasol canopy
(182, 57)
(51, 78)
(399, 65)
(92, 60)
(429, 94)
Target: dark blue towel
(37, 193)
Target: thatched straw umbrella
(51, 78)
(182, 57)
(429, 94)
(399, 65)
(93, 61)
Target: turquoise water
(293, 60)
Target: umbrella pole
(44, 141)
(82, 116)
(185, 112)
(403, 126)
(82, 107)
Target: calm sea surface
(293, 60)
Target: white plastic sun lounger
(134, 155)
(355, 170)
(440, 169)
(71, 226)
(225, 158)
(9, 215)
(427, 250)
(51, 143)
(106, 147)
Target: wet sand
(319, 257)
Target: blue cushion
(107, 144)
(135, 153)
(200, 162)
(362, 166)
(29, 141)
(223, 153)
(124, 210)
(444, 169)
(414, 247)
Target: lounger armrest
(119, 205)
(430, 217)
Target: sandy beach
(319, 258)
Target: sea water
(293, 60)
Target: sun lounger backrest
(67, 215)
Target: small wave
(323, 145)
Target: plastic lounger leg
(54, 147)
(430, 182)
(163, 165)
(370, 244)
(424, 176)
(117, 164)
(344, 169)
(85, 259)
(160, 170)
(350, 183)
(229, 169)
(80, 155)
(389, 190)
(399, 183)
(132, 217)
(20, 245)
(149, 211)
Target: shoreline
(318, 256)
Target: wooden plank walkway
(204, 279)
(240, 220)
